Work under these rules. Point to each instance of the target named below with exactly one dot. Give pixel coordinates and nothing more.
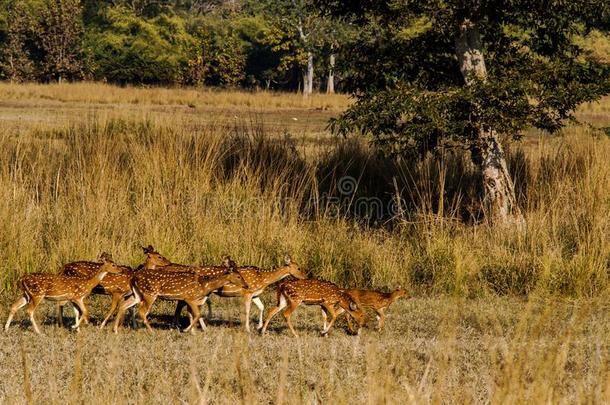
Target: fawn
(314, 292)
(376, 300)
(148, 285)
(257, 281)
(59, 287)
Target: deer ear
(287, 260)
(105, 257)
(353, 306)
(148, 249)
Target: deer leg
(201, 321)
(145, 308)
(292, 306)
(128, 303)
(324, 317)
(84, 314)
(333, 316)
(280, 305)
(247, 304)
(339, 311)
(179, 306)
(209, 302)
(76, 316)
(196, 316)
(20, 303)
(380, 318)
(259, 304)
(30, 310)
(113, 306)
(60, 314)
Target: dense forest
(267, 44)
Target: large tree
(432, 73)
(302, 29)
(61, 37)
(15, 61)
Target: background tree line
(265, 44)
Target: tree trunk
(330, 86)
(499, 198)
(308, 77)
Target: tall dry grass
(199, 193)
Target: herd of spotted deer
(191, 286)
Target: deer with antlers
(58, 287)
(257, 280)
(190, 287)
(328, 295)
(375, 300)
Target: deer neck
(218, 282)
(274, 276)
(95, 280)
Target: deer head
(108, 265)
(153, 258)
(399, 292)
(234, 277)
(293, 268)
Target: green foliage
(412, 96)
(219, 51)
(134, 49)
(382, 46)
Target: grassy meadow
(493, 315)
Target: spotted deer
(116, 285)
(192, 288)
(375, 300)
(204, 271)
(257, 280)
(58, 287)
(329, 296)
(156, 261)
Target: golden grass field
(494, 315)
